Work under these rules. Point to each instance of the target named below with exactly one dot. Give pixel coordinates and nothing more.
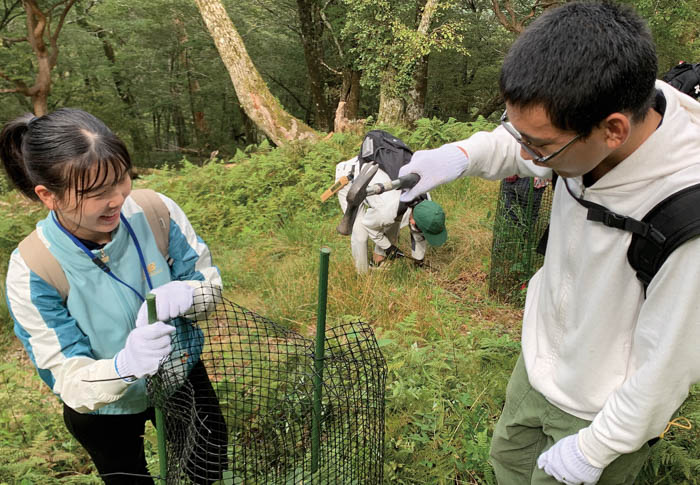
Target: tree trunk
(348, 104)
(415, 109)
(351, 92)
(395, 108)
(255, 98)
(199, 121)
(311, 31)
(250, 130)
(392, 107)
(417, 94)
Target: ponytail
(11, 154)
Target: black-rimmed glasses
(536, 156)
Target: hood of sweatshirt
(673, 147)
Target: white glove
(145, 347)
(172, 300)
(565, 462)
(435, 167)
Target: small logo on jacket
(152, 269)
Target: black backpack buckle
(614, 220)
(656, 236)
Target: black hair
(65, 150)
(582, 62)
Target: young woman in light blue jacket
(94, 347)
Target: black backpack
(670, 223)
(685, 77)
(389, 152)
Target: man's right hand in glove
(145, 347)
(435, 167)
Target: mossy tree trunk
(252, 92)
(405, 108)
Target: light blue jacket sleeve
(56, 345)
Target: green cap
(430, 219)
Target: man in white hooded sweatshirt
(604, 367)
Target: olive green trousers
(529, 425)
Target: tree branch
(20, 86)
(511, 12)
(7, 41)
(427, 16)
(289, 91)
(36, 22)
(61, 21)
(334, 71)
(330, 29)
(8, 15)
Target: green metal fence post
(318, 358)
(160, 424)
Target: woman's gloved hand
(145, 347)
(435, 167)
(566, 462)
(172, 300)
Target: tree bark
(201, 129)
(255, 98)
(350, 92)
(311, 31)
(391, 106)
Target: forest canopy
(152, 71)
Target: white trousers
(360, 237)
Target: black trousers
(115, 441)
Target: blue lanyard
(101, 264)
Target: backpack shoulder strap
(43, 263)
(677, 219)
(157, 215)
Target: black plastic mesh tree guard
(243, 414)
(522, 215)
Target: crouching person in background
(380, 218)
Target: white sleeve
(495, 155)
(192, 260)
(59, 350)
(666, 363)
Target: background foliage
(151, 72)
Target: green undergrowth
(449, 346)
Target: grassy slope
(448, 345)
